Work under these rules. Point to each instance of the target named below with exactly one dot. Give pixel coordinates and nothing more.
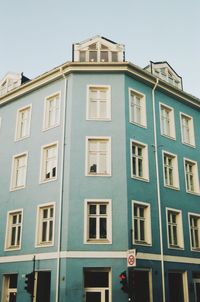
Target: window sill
(172, 187)
(93, 241)
(140, 178)
(193, 193)
(139, 125)
(10, 249)
(47, 181)
(170, 137)
(189, 145)
(174, 247)
(44, 245)
(17, 188)
(142, 243)
(95, 174)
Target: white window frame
(38, 232)
(100, 289)
(46, 119)
(175, 171)
(43, 160)
(108, 158)
(145, 161)
(15, 169)
(108, 103)
(95, 201)
(191, 140)
(142, 107)
(19, 123)
(171, 123)
(194, 164)
(7, 245)
(147, 218)
(179, 224)
(197, 216)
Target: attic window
(93, 56)
(93, 46)
(104, 56)
(103, 46)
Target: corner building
(99, 157)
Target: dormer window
(98, 49)
(165, 72)
(11, 81)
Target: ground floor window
(196, 282)
(178, 291)
(141, 285)
(10, 288)
(97, 285)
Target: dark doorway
(140, 285)
(43, 286)
(175, 281)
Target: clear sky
(37, 35)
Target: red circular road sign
(131, 260)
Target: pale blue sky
(37, 35)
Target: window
(191, 176)
(174, 225)
(14, 230)
(98, 221)
(99, 156)
(52, 111)
(141, 223)
(167, 121)
(170, 165)
(99, 103)
(45, 225)
(187, 130)
(139, 160)
(49, 162)
(97, 284)
(137, 108)
(194, 224)
(9, 290)
(19, 167)
(23, 123)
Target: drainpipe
(158, 189)
(60, 205)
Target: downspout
(158, 190)
(62, 162)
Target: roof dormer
(10, 81)
(98, 49)
(165, 72)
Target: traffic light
(124, 282)
(29, 281)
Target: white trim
(26, 107)
(175, 185)
(196, 176)
(191, 130)
(148, 233)
(109, 155)
(142, 96)
(14, 157)
(180, 237)
(95, 255)
(43, 147)
(198, 216)
(109, 100)
(57, 93)
(172, 134)
(6, 248)
(37, 226)
(108, 240)
(145, 160)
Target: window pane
(103, 228)
(92, 227)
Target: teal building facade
(99, 160)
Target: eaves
(118, 67)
